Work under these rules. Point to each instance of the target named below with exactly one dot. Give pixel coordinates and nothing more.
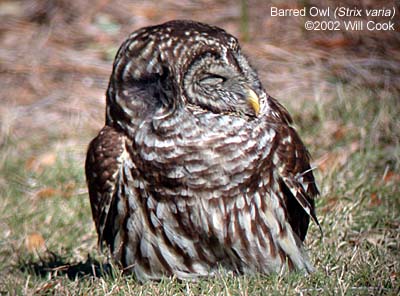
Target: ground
(342, 88)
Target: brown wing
(103, 165)
(296, 181)
(298, 184)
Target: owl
(197, 168)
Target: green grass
(358, 209)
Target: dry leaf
(34, 242)
(391, 177)
(45, 287)
(375, 200)
(46, 192)
(335, 131)
(68, 189)
(340, 133)
(393, 277)
(331, 201)
(38, 163)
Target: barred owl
(197, 168)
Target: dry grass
(342, 89)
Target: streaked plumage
(197, 168)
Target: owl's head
(182, 64)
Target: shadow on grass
(58, 265)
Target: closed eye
(212, 79)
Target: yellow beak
(253, 100)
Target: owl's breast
(206, 153)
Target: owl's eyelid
(212, 78)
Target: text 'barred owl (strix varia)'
(197, 168)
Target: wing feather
(103, 164)
(296, 179)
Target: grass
(358, 209)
